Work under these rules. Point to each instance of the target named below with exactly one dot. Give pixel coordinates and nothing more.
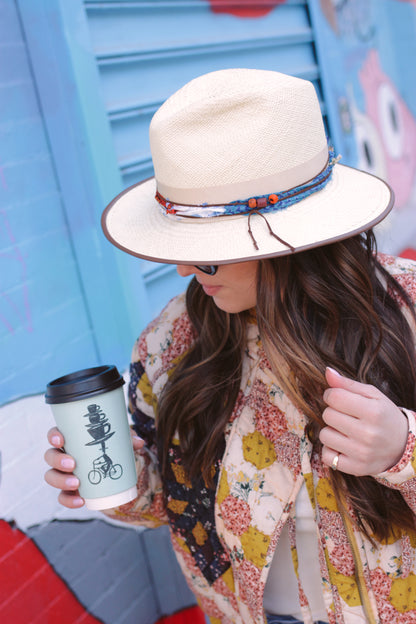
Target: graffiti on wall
(245, 8)
(389, 149)
(371, 92)
(349, 18)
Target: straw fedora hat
(242, 171)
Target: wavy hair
(330, 306)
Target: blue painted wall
(44, 319)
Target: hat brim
(353, 201)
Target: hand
(367, 430)
(61, 474)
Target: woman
(283, 383)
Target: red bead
(273, 199)
(262, 202)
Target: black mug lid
(83, 384)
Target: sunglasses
(209, 269)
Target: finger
(58, 460)
(352, 438)
(332, 458)
(346, 424)
(62, 481)
(336, 441)
(353, 398)
(344, 463)
(71, 499)
(55, 437)
(138, 442)
(336, 380)
(353, 405)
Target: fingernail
(333, 371)
(77, 502)
(72, 482)
(137, 438)
(56, 441)
(67, 463)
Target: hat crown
(235, 133)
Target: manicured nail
(67, 462)
(77, 502)
(72, 482)
(333, 371)
(56, 440)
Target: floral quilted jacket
(224, 536)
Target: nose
(185, 269)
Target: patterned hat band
(260, 204)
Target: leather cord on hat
(250, 214)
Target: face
(233, 287)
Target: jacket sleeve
(153, 358)
(402, 476)
(148, 508)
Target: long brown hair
(330, 306)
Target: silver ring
(335, 461)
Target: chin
(232, 307)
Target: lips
(210, 290)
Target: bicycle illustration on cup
(100, 430)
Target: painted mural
(245, 8)
(73, 566)
(385, 131)
(368, 49)
(20, 558)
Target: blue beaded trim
(262, 203)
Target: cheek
(245, 296)
(249, 287)
(236, 298)
(239, 287)
(251, 294)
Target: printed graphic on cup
(100, 430)
(90, 411)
